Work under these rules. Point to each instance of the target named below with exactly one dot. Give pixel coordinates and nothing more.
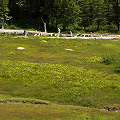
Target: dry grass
(53, 112)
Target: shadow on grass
(117, 71)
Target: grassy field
(69, 74)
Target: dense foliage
(4, 10)
(88, 15)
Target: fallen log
(24, 32)
(18, 32)
(46, 34)
(32, 32)
(12, 32)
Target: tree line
(88, 15)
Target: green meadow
(59, 79)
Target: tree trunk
(2, 23)
(98, 25)
(117, 12)
(64, 26)
(44, 25)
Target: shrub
(10, 26)
(110, 28)
(87, 103)
(112, 59)
(92, 28)
(108, 58)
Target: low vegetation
(45, 71)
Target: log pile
(24, 32)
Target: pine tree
(85, 12)
(116, 6)
(98, 12)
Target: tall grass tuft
(112, 58)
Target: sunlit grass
(45, 70)
(55, 82)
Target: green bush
(108, 58)
(92, 28)
(103, 29)
(87, 103)
(7, 26)
(112, 59)
(110, 28)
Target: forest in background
(75, 15)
